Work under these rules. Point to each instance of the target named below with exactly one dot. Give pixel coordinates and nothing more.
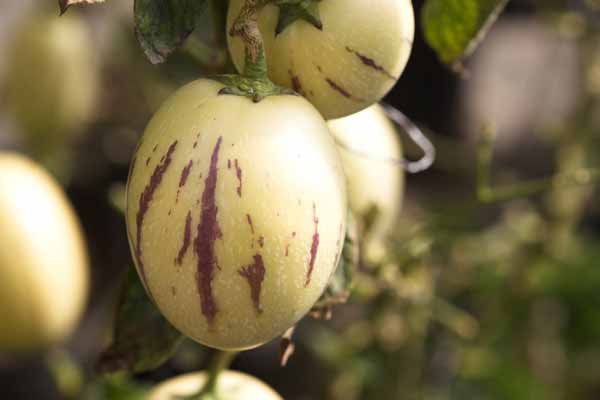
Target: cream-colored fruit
(52, 79)
(348, 65)
(368, 142)
(231, 385)
(43, 261)
(236, 213)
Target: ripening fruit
(368, 143)
(52, 80)
(351, 63)
(231, 385)
(236, 213)
(43, 261)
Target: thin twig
(487, 193)
(416, 135)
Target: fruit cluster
(237, 204)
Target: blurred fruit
(52, 80)
(368, 143)
(231, 385)
(43, 260)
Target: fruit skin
(371, 181)
(231, 385)
(349, 65)
(43, 260)
(52, 79)
(235, 212)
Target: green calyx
(291, 11)
(255, 89)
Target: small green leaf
(161, 26)
(454, 28)
(292, 10)
(143, 339)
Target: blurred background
(477, 297)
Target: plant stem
(458, 321)
(487, 193)
(484, 164)
(219, 19)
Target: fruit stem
(220, 362)
(254, 83)
(246, 27)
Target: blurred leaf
(368, 219)
(65, 4)
(454, 28)
(340, 284)
(161, 26)
(143, 338)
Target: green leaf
(143, 339)
(161, 26)
(454, 28)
